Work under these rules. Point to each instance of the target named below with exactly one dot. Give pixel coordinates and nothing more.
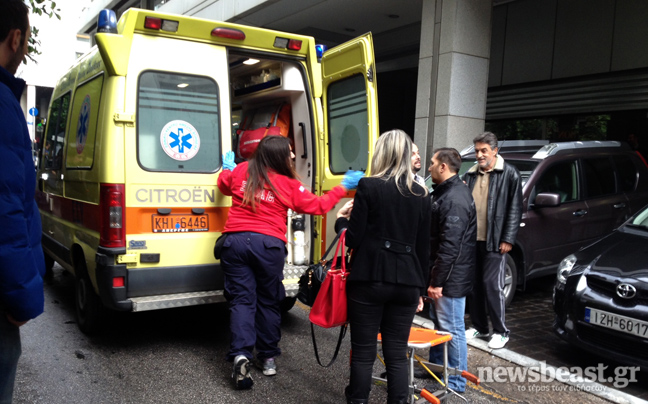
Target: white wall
(57, 44)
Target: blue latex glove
(228, 161)
(351, 179)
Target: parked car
(573, 193)
(601, 295)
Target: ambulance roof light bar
(107, 21)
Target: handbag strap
(330, 247)
(341, 242)
(337, 348)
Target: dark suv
(573, 193)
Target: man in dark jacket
(497, 190)
(452, 257)
(21, 258)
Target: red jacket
(271, 213)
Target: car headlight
(565, 267)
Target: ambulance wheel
(49, 268)
(89, 309)
(287, 303)
(49, 262)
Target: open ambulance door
(350, 104)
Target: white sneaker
(473, 333)
(498, 341)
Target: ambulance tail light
(111, 206)
(161, 25)
(294, 44)
(228, 33)
(119, 282)
(152, 23)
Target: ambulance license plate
(180, 223)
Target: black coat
(504, 202)
(389, 234)
(453, 238)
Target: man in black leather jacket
(453, 236)
(497, 191)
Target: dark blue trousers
(10, 350)
(253, 266)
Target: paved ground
(143, 360)
(533, 343)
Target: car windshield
(640, 220)
(525, 167)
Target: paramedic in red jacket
(252, 258)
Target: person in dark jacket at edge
(22, 265)
(453, 238)
(497, 190)
(388, 228)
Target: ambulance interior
(258, 87)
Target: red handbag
(330, 307)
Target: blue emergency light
(319, 50)
(107, 22)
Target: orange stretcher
(422, 338)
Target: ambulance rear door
(179, 92)
(350, 104)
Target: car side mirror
(546, 200)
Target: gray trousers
(487, 296)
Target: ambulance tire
(287, 303)
(49, 269)
(89, 309)
(49, 262)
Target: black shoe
(241, 373)
(421, 373)
(353, 400)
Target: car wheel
(510, 280)
(287, 303)
(89, 309)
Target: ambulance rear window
(348, 125)
(178, 127)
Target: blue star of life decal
(180, 140)
(82, 124)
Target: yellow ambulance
(134, 143)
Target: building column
(453, 73)
(30, 102)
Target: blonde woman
(388, 228)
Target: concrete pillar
(453, 73)
(31, 103)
